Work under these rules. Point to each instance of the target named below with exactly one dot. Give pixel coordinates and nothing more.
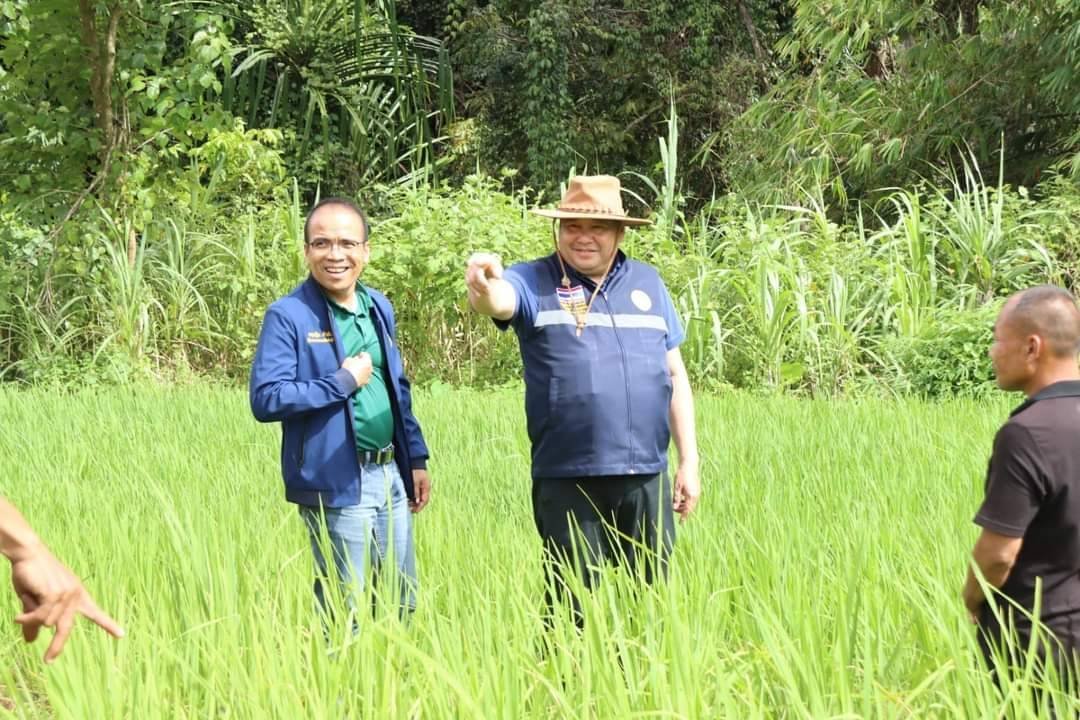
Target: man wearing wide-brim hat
(605, 385)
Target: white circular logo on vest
(641, 300)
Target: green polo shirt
(372, 417)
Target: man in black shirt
(1030, 516)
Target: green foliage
(587, 83)
(347, 94)
(46, 120)
(949, 355)
(418, 259)
(166, 502)
(987, 249)
(152, 245)
(1056, 224)
(23, 247)
(877, 92)
(179, 284)
(171, 79)
(163, 96)
(778, 299)
(796, 296)
(546, 98)
(360, 98)
(244, 167)
(784, 298)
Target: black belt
(376, 457)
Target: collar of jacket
(315, 292)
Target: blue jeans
(364, 537)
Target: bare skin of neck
(1053, 372)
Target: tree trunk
(101, 52)
(748, 21)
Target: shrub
(418, 259)
(949, 357)
(1057, 225)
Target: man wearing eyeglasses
(327, 368)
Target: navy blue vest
(596, 404)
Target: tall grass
(976, 235)
(776, 298)
(819, 578)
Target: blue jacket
(596, 404)
(297, 379)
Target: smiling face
(589, 245)
(336, 250)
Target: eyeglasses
(322, 245)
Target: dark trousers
(1006, 651)
(589, 522)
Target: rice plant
(819, 578)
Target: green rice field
(820, 577)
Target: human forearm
(275, 400)
(51, 595)
(275, 392)
(995, 570)
(17, 539)
(683, 428)
(498, 301)
(687, 489)
(994, 555)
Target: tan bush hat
(592, 196)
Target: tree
(96, 95)
(881, 93)
(588, 82)
(100, 45)
(362, 97)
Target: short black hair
(340, 202)
(1051, 312)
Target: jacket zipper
(626, 377)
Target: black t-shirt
(1033, 491)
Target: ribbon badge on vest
(572, 300)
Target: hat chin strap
(580, 318)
